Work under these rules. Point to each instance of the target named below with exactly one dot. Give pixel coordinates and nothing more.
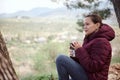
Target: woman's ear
(98, 25)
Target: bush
(39, 77)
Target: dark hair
(95, 18)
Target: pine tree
(93, 6)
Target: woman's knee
(60, 58)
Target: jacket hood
(105, 31)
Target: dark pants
(67, 67)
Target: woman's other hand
(76, 45)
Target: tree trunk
(116, 4)
(7, 71)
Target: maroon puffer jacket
(95, 54)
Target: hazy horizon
(11, 6)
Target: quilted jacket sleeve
(98, 55)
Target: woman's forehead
(87, 19)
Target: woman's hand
(76, 45)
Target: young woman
(92, 58)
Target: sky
(11, 6)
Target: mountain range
(42, 12)
(52, 13)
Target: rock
(114, 72)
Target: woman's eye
(87, 24)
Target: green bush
(39, 77)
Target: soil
(114, 72)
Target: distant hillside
(54, 14)
(42, 12)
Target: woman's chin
(86, 34)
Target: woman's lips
(85, 30)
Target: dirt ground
(114, 72)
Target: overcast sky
(10, 6)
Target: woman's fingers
(76, 45)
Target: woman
(92, 59)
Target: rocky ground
(114, 72)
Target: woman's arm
(100, 53)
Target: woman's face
(90, 26)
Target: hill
(42, 12)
